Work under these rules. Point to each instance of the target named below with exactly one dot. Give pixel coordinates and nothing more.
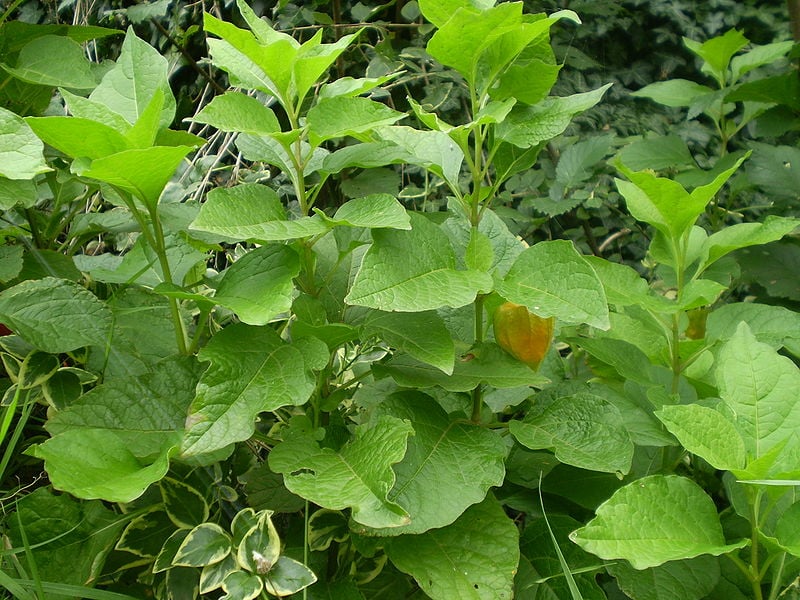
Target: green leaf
(717, 52)
(426, 279)
(142, 172)
(773, 325)
(760, 388)
(241, 585)
(10, 262)
(259, 548)
(376, 211)
(235, 111)
(252, 370)
(787, 529)
(183, 503)
(758, 56)
(55, 61)
(206, 544)
(583, 430)
(116, 439)
(355, 477)
(622, 284)
(254, 212)
(474, 558)
(691, 579)
(213, 576)
(78, 137)
(742, 235)
(90, 110)
(664, 203)
(576, 162)
(129, 86)
(423, 335)
(55, 315)
(20, 150)
(674, 92)
(705, 432)
(552, 279)
(15, 192)
(654, 520)
(433, 150)
(657, 152)
(345, 116)
(483, 364)
(439, 11)
(436, 460)
(258, 287)
(288, 577)
(504, 245)
(528, 126)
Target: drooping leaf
(20, 150)
(355, 477)
(116, 439)
(436, 460)
(742, 235)
(426, 279)
(552, 279)
(252, 370)
(583, 430)
(55, 315)
(35, 63)
(654, 520)
(474, 558)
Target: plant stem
(477, 393)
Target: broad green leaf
(288, 577)
(691, 579)
(552, 279)
(116, 439)
(504, 245)
(484, 364)
(657, 152)
(83, 108)
(439, 11)
(654, 520)
(583, 430)
(54, 61)
(15, 192)
(213, 576)
(705, 432)
(251, 211)
(760, 387)
(258, 287)
(184, 504)
(758, 56)
(787, 529)
(314, 59)
(425, 279)
(435, 459)
(773, 325)
(577, 161)
(627, 360)
(674, 92)
(55, 315)
(355, 477)
(252, 370)
(10, 260)
(433, 150)
(129, 86)
(237, 55)
(622, 284)
(376, 211)
(366, 155)
(345, 116)
(717, 52)
(145, 535)
(528, 126)
(664, 203)
(528, 80)
(423, 335)
(20, 150)
(67, 539)
(235, 111)
(206, 544)
(348, 86)
(474, 558)
(271, 149)
(742, 235)
(142, 172)
(142, 333)
(78, 137)
(143, 133)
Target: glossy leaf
(206, 544)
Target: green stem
(477, 393)
(755, 576)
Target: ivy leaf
(654, 520)
(760, 387)
(426, 279)
(436, 460)
(553, 280)
(55, 315)
(583, 430)
(21, 152)
(252, 370)
(258, 286)
(474, 558)
(355, 477)
(116, 440)
(705, 432)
